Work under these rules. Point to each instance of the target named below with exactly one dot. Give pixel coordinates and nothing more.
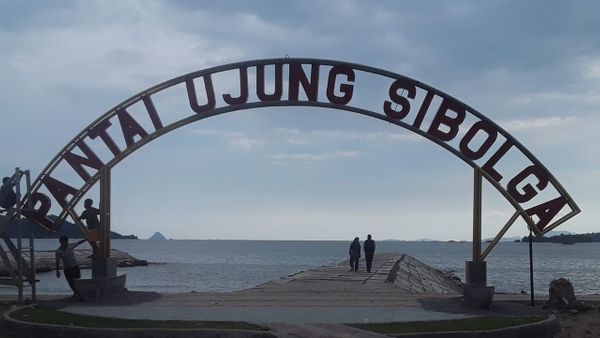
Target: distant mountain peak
(66, 229)
(157, 237)
(559, 233)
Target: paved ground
(270, 314)
(583, 324)
(329, 294)
(313, 303)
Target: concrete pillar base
(476, 272)
(104, 281)
(476, 291)
(479, 296)
(95, 289)
(103, 267)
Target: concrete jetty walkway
(327, 295)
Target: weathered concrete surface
(327, 294)
(45, 261)
(23, 329)
(414, 276)
(398, 274)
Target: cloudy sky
(306, 173)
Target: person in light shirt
(70, 266)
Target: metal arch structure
(537, 196)
(22, 273)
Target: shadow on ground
(125, 298)
(498, 308)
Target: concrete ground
(188, 307)
(313, 303)
(328, 294)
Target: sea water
(228, 265)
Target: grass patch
(46, 315)
(466, 324)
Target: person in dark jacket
(8, 198)
(354, 253)
(90, 215)
(369, 247)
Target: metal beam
(7, 264)
(105, 213)
(32, 279)
(19, 256)
(477, 183)
(496, 239)
(14, 251)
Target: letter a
(547, 211)
(130, 127)
(59, 190)
(77, 162)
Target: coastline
(45, 260)
(223, 265)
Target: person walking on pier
(67, 255)
(354, 254)
(369, 247)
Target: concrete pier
(401, 274)
(327, 294)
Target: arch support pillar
(477, 194)
(476, 291)
(104, 247)
(102, 264)
(104, 281)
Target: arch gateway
(536, 195)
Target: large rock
(562, 294)
(562, 297)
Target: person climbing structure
(90, 215)
(8, 198)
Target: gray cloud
(534, 66)
(314, 157)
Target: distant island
(67, 229)
(157, 237)
(566, 239)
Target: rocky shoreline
(45, 261)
